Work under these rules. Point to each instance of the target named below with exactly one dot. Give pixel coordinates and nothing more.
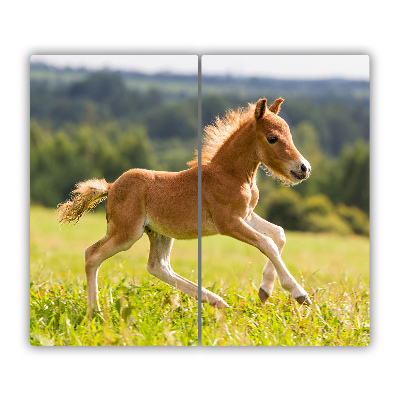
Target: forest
(93, 124)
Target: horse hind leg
(109, 245)
(159, 265)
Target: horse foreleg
(239, 229)
(277, 234)
(159, 265)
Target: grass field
(141, 310)
(136, 308)
(333, 269)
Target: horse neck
(237, 155)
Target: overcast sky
(186, 64)
(287, 66)
(278, 66)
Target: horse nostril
(303, 168)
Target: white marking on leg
(241, 230)
(287, 281)
(159, 265)
(278, 236)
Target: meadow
(333, 269)
(138, 309)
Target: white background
(98, 27)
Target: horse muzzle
(302, 171)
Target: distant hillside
(186, 85)
(99, 123)
(254, 87)
(166, 103)
(174, 85)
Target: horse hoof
(303, 300)
(263, 295)
(219, 303)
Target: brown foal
(164, 204)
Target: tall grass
(144, 315)
(333, 269)
(140, 310)
(136, 309)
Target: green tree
(319, 215)
(56, 171)
(307, 142)
(135, 150)
(174, 120)
(354, 176)
(284, 208)
(356, 218)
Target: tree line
(99, 127)
(338, 109)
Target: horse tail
(86, 196)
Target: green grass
(144, 315)
(333, 269)
(136, 308)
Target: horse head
(275, 147)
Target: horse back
(172, 205)
(166, 202)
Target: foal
(233, 149)
(164, 204)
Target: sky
(290, 66)
(276, 66)
(185, 64)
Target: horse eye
(272, 139)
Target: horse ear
(260, 108)
(276, 106)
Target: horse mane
(216, 134)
